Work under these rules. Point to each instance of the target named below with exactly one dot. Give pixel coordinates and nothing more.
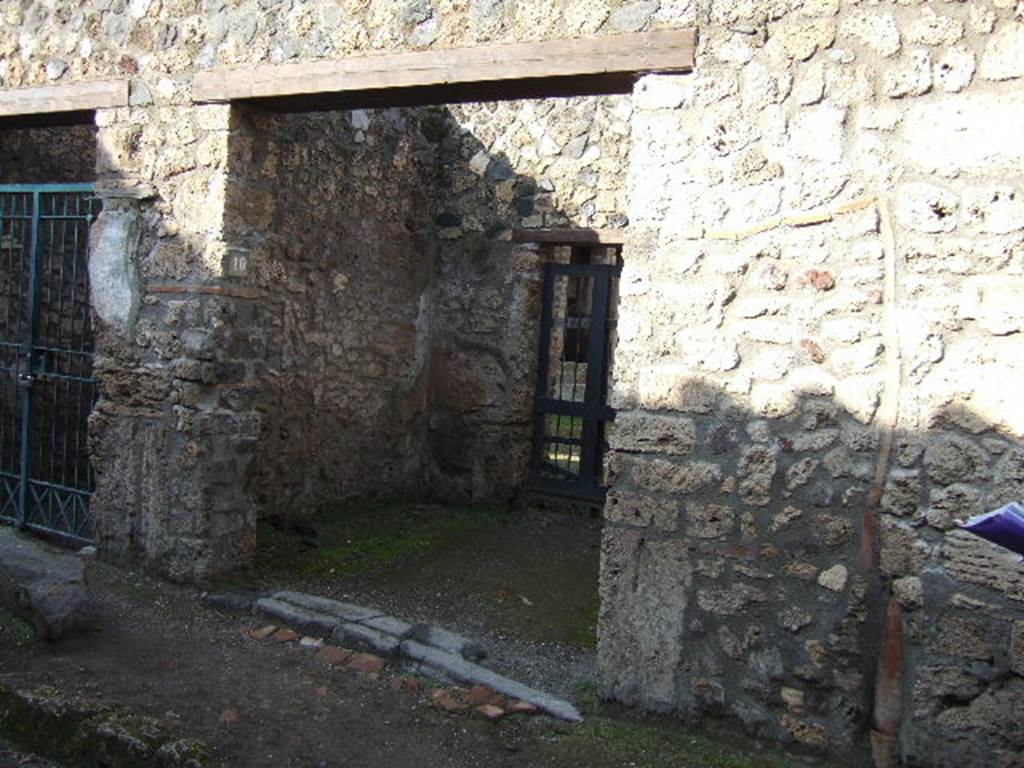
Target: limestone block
(640, 510)
(1017, 648)
(997, 210)
(652, 433)
(963, 638)
(879, 32)
(901, 553)
(902, 492)
(909, 591)
(952, 503)
(669, 477)
(800, 473)
(968, 132)
(799, 39)
(834, 578)
(816, 134)
(1008, 479)
(924, 207)
(977, 561)
(756, 470)
(709, 521)
(931, 28)
(730, 600)
(810, 84)
(955, 69)
(662, 92)
(955, 459)
(632, 17)
(1003, 58)
(794, 619)
(910, 76)
(995, 305)
(674, 387)
(645, 594)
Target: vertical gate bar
(595, 367)
(26, 396)
(4, 330)
(543, 369)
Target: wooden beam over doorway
(60, 104)
(567, 67)
(574, 236)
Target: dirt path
(157, 651)
(525, 586)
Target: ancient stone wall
(331, 214)
(47, 155)
(818, 334)
(814, 377)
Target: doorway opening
(577, 339)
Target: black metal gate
(571, 410)
(46, 357)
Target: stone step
(365, 629)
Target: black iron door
(571, 410)
(46, 358)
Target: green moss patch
(612, 737)
(82, 734)
(15, 631)
(364, 537)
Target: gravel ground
(11, 759)
(515, 586)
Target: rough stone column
(167, 443)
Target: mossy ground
(530, 573)
(15, 631)
(615, 737)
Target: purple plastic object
(1004, 526)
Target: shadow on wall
(48, 155)
(802, 572)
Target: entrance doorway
(571, 404)
(46, 358)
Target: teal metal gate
(46, 358)
(570, 406)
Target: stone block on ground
(449, 641)
(323, 605)
(44, 585)
(466, 671)
(366, 639)
(309, 621)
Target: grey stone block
(449, 641)
(460, 669)
(366, 639)
(309, 621)
(44, 585)
(344, 611)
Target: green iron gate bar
(570, 407)
(46, 357)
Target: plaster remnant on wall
(113, 274)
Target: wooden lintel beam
(569, 65)
(570, 236)
(47, 104)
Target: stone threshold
(448, 654)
